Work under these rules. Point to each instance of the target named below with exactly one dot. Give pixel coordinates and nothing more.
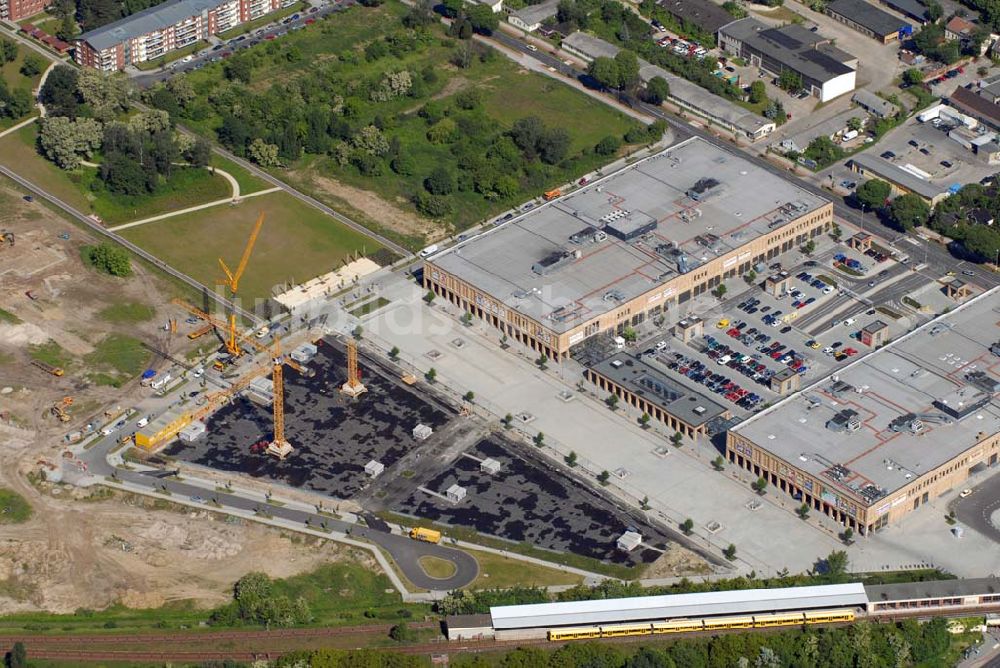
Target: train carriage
(830, 616)
(719, 623)
(778, 619)
(575, 633)
(678, 626)
(617, 630)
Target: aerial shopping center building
(627, 246)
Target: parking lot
(529, 501)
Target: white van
(619, 342)
(725, 359)
(848, 322)
(430, 250)
(142, 422)
(161, 382)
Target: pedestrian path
(20, 125)
(199, 207)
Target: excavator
(6, 239)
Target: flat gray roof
(874, 103)
(912, 8)
(868, 15)
(793, 46)
(915, 591)
(880, 167)
(703, 13)
(743, 601)
(656, 387)
(909, 375)
(148, 20)
(595, 274)
(454, 622)
(537, 13)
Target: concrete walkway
(20, 125)
(199, 207)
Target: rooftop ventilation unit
(872, 493)
(983, 381)
(995, 348)
(703, 188)
(837, 472)
(839, 388)
(846, 420)
(554, 261)
(907, 423)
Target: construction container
(374, 468)
(422, 432)
(455, 493)
(490, 466)
(304, 353)
(192, 432)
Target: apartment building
(16, 10)
(156, 31)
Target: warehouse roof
(557, 266)
(876, 166)
(918, 403)
(912, 8)
(968, 102)
(533, 14)
(794, 47)
(656, 387)
(608, 611)
(875, 104)
(705, 14)
(910, 591)
(865, 14)
(148, 20)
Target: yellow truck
(426, 535)
(48, 368)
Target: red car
(270, 37)
(850, 351)
(309, 22)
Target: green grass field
(248, 182)
(50, 352)
(127, 313)
(296, 243)
(14, 509)
(116, 359)
(186, 187)
(8, 317)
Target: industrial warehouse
(891, 431)
(724, 610)
(631, 245)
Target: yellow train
(704, 624)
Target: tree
(913, 76)
(873, 194)
(542, 362)
(32, 65)
(735, 9)
(628, 68)
(687, 526)
(644, 420)
(8, 50)
(401, 633)
(553, 145)
(775, 111)
(59, 92)
(759, 485)
(608, 145)
(124, 175)
(264, 154)
(630, 335)
(431, 375)
(429, 297)
(603, 478)
(835, 565)
(469, 396)
(934, 10)
(847, 535)
(394, 353)
(105, 95)
(18, 656)
(908, 211)
(720, 291)
(570, 459)
(719, 463)
(790, 80)
(200, 153)
(855, 124)
(64, 141)
(823, 151)
(483, 20)
(110, 259)
(758, 92)
(539, 439)
(730, 552)
(809, 247)
(238, 68)
(357, 332)
(507, 420)
(657, 90)
(451, 8)
(604, 71)
(440, 181)
(612, 401)
(803, 511)
(677, 439)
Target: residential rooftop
(881, 167)
(152, 19)
(920, 401)
(537, 13)
(968, 102)
(655, 386)
(868, 15)
(561, 264)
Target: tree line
(17, 103)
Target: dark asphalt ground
(975, 510)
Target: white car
(531, 47)
(197, 372)
(263, 331)
(187, 59)
(828, 350)
(827, 290)
(848, 322)
(142, 422)
(661, 345)
(964, 493)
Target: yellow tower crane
(353, 387)
(279, 447)
(232, 281)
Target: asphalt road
(404, 551)
(975, 510)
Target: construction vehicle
(425, 535)
(232, 282)
(200, 332)
(552, 194)
(48, 368)
(6, 238)
(59, 409)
